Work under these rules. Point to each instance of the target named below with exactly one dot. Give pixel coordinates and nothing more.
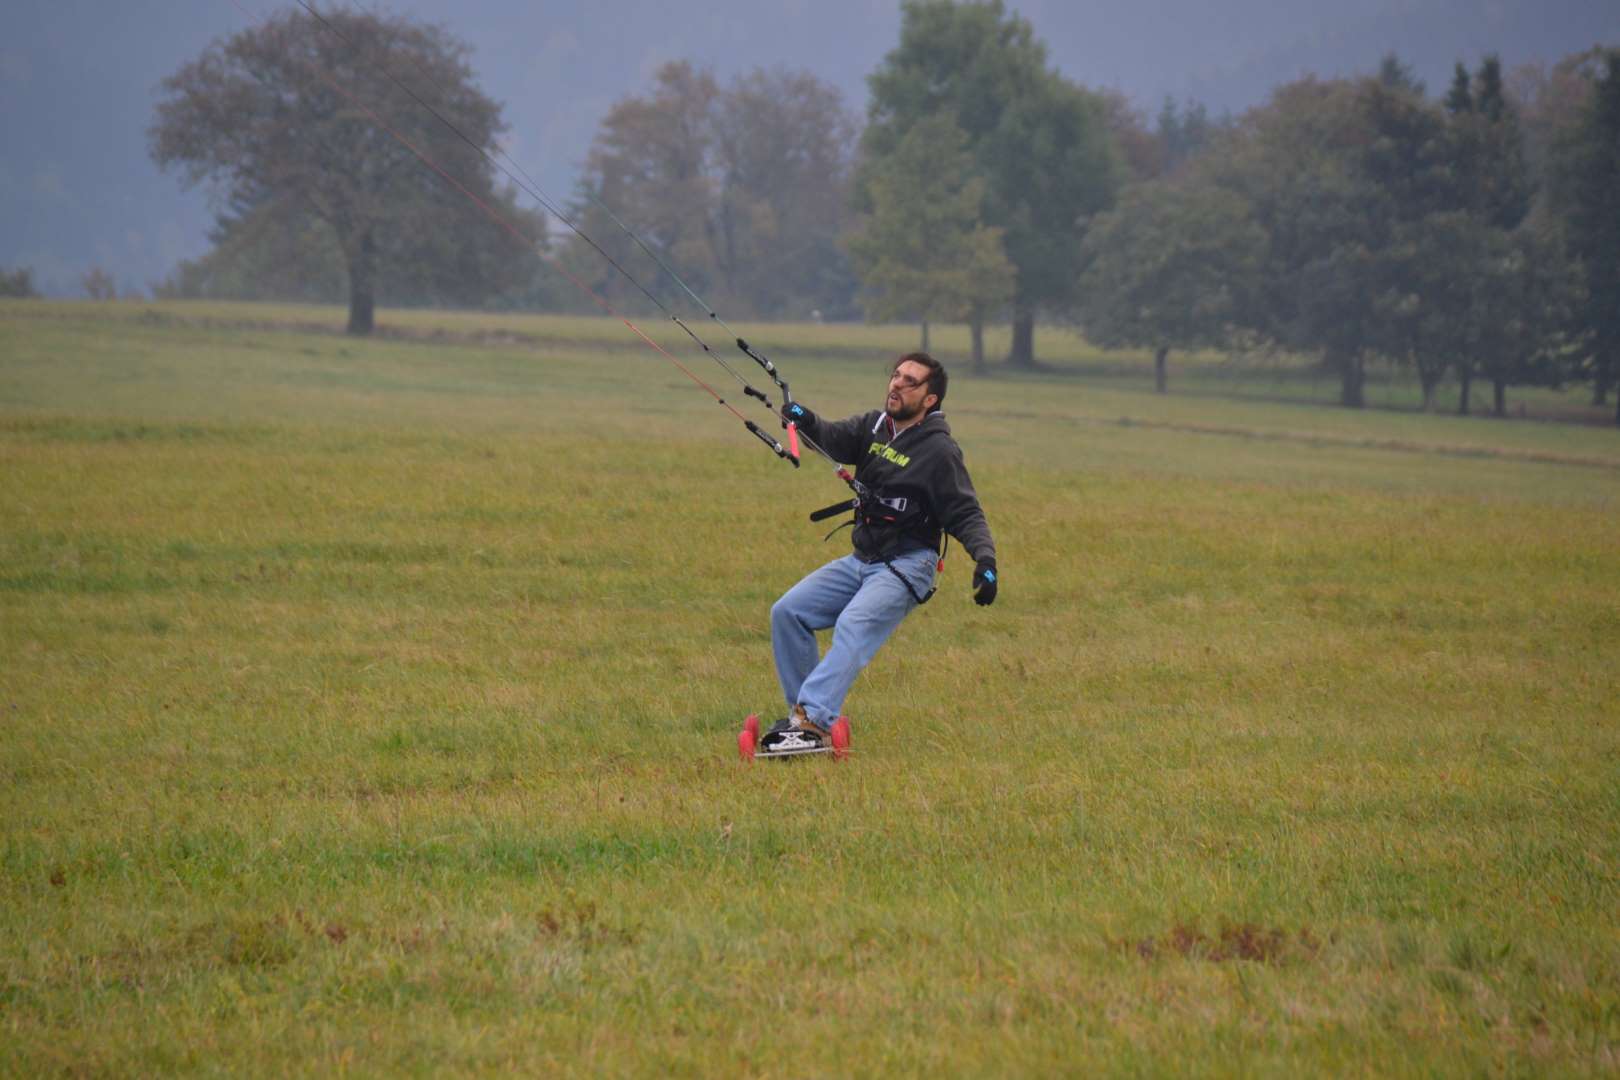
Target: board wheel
(840, 738)
(745, 744)
(751, 725)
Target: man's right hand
(794, 413)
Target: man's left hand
(984, 583)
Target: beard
(897, 411)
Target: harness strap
(910, 588)
(856, 504)
(835, 509)
(939, 568)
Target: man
(911, 486)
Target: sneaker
(795, 731)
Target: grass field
(371, 707)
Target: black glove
(984, 583)
(794, 413)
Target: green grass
(371, 706)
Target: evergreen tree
(1460, 98)
(1497, 337)
(1492, 100)
(1454, 188)
(1417, 235)
(1396, 74)
(1588, 163)
(1389, 219)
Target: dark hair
(937, 379)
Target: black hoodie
(912, 485)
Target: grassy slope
(372, 705)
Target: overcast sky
(78, 80)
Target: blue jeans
(863, 603)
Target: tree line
(1361, 221)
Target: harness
(869, 506)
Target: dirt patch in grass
(580, 924)
(1233, 941)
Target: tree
(743, 190)
(1142, 152)
(269, 251)
(1460, 98)
(649, 165)
(1292, 162)
(1396, 74)
(1426, 281)
(1550, 101)
(1452, 188)
(1457, 277)
(1426, 232)
(1382, 210)
(18, 283)
(1493, 103)
(1525, 295)
(924, 251)
(1487, 148)
(784, 145)
(1496, 334)
(1170, 267)
(1183, 133)
(1587, 184)
(280, 116)
(98, 284)
(1040, 142)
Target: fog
(78, 79)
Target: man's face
(908, 392)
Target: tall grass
(371, 706)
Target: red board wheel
(745, 744)
(840, 738)
(751, 725)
